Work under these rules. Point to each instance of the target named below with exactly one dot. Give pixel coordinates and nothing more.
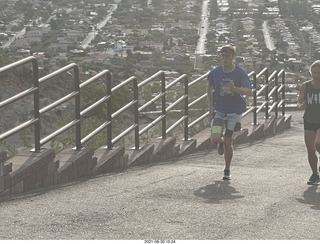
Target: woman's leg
(310, 141)
(317, 141)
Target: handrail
(199, 79)
(282, 87)
(18, 97)
(32, 91)
(162, 118)
(267, 88)
(198, 100)
(151, 78)
(134, 104)
(184, 98)
(105, 99)
(75, 94)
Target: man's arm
(240, 90)
(243, 90)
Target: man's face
(226, 58)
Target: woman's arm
(301, 100)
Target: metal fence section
(34, 91)
(133, 104)
(106, 99)
(272, 101)
(199, 99)
(183, 98)
(273, 93)
(162, 95)
(76, 95)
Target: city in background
(140, 37)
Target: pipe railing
(162, 96)
(76, 95)
(106, 99)
(183, 98)
(133, 105)
(32, 91)
(281, 90)
(198, 100)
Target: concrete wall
(30, 171)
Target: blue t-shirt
(227, 101)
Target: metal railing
(270, 88)
(34, 91)
(275, 103)
(162, 96)
(106, 99)
(198, 100)
(134, 104)
(76, 95)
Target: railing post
(255, 99)
(186, 108)
(136, 113)
(77, 107)
(109, 113)
(283, 93)
(267, 95)
(276, 95)
(163, 106)
(36, 106)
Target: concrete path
(182, 199)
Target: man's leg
(233, 125)
(228, 153)
(217, 125)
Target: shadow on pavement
(311, 197)
(217, 192)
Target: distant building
(155, 45)
(23, 52)
(76, 53)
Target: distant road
(267, 37)
(203, 30)
(12, 39)
(18, 35)
(86, 42)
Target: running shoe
(220, 148)
(227, 175)
(313, 179)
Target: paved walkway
(183, 199)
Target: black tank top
(312, 98)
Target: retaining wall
(30, 171)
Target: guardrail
(270, 88)
(34, 91)
(76, 95)
(275, 103)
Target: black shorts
(311, 126)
